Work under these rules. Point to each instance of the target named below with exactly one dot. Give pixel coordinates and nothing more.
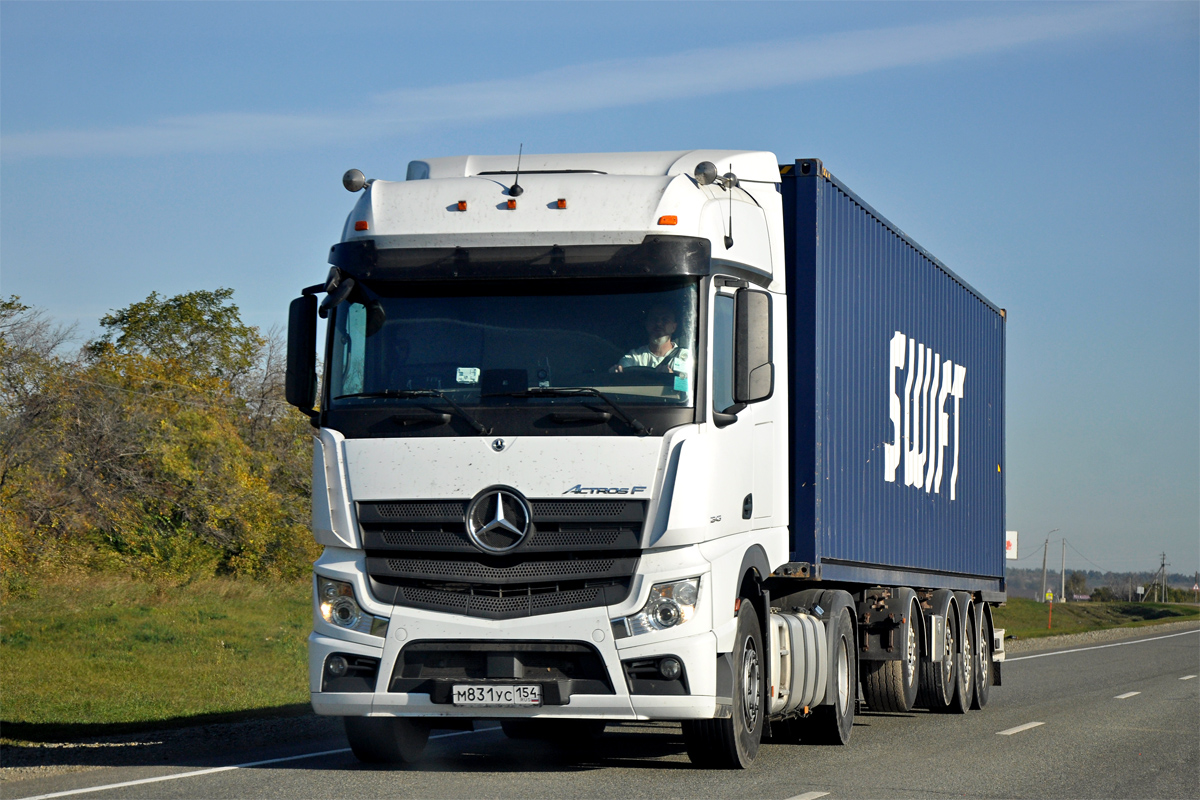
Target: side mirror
(300, 385)
(753, 372)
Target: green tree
(166, 449)
(199, 332)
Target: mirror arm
(727, 417)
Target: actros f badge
(498, 519)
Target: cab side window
(722, 352)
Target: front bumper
(696, 651)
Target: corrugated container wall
(897, 392)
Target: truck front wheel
(733, 743)
(386, 740)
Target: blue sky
(1047, 152)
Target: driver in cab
(661, 353)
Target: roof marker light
(562, 202)
(512, 205)
(462, 205)
(361, 225)
(668, 219)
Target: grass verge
(1027, 619)
(97, 656)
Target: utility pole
(1162, 580)
(1062, 574)
(1045, 548)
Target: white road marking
(214, 770)
(1187, 677)
(808, 796)
(1099, 646)
(1126, 696)
(1019, 728)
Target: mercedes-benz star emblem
(498, 519)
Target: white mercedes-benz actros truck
(685, 436)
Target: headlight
(669, 604)
(339, 607)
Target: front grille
(476, 572)
(578, 554)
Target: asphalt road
(1113, 720)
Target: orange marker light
(462, 205)
(669, 219)
(512, 204)
(562, 202)
(361, 225)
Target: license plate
(467, 695)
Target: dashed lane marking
(215, 770)
(1126, 696)
(808, 796)
(1099, 646)
(1019, 728)
(1187, 677)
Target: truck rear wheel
(733, 743)
(892, 685)
(386, 740)
(937, 679)
(983, 659)
(964, 688)
(833, 724)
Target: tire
(937, 678)
(964, 685)
(386, 740)
(983, 659)
(833, 724)
(566, 732)
(733, 743)
(892, 685)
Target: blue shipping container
(897, 394)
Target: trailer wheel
(983, 659)
(964, 685)
(733, 743)
(892, 685)
(386, 740)
(937, 679)
(832, 724)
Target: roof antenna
(516, 190)
(730, 182)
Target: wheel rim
(948, 656)
(911, 655)
(985, 663)
(843, 676)
(751, 684)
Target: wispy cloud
(590, 87)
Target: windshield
(491, 343)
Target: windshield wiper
(421, 393)
(578, 391)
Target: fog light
(336, 666)
(670, 668)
